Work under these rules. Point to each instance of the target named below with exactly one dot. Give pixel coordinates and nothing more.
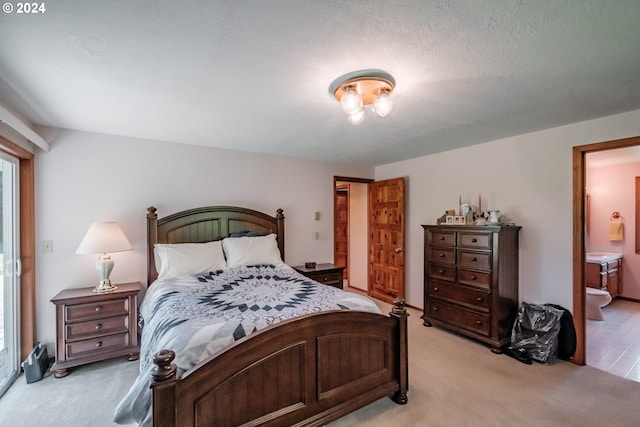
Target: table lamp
(103, 238)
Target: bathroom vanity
(604, 271)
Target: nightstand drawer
(327, 278)
(81, 348)
(98, 327)
(96, 310)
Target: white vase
(494, 217)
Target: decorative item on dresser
(327, 274)
(95, 326)
(471, 280)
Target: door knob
(398, 250)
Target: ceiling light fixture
(365, 87)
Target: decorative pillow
(180, 259)
(251, 250)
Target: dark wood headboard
(206, 224)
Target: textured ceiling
(253, 75)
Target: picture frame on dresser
(471, 280)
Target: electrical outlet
(47, 246)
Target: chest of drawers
(95, 326)
(471, 280)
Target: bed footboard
(303, 372)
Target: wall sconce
(365, 87)
(102, 238)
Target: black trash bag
(567, 340)
(535, 332)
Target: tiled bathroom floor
(613, 345)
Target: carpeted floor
(453, 382)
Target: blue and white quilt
(198, 316)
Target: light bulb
(357, 117)
(351, 101)
(383, 104)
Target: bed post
(399, 311)
(163, 379)
(152, 239)
(280, 234)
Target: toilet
(596, 299)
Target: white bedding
(198, 316)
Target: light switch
(317, 216)
(47, 246)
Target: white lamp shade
(102, 238)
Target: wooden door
(341, 227)
(386, 239)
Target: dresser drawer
(443, 256)
(102, 344)
(442, 272)
(474, 278)
(93, 328)
(459, 316)
(474, 260)
(474, 240)
(461, 294)
(443, 238)
(93, 310)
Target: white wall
(529, 178)
(90, 177)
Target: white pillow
(251, 250)
(180, 259)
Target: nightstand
(94, 326)
(327, 274)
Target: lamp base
(104, 286)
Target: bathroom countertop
(600, 257)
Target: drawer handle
(474, 259)
(435, 289)
(441, 271)
(98, 308)
(474, 277)
(441, 255)
(435, 308)
(99, 344)
(98, 326)
(474, 240)
(479, 299)
(478, 322)
(441, 237)
(326, 279)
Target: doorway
(9, 272)
(579, 234)
(380, 251)
(351, 230)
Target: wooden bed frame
(303, 372)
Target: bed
(303, 370)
